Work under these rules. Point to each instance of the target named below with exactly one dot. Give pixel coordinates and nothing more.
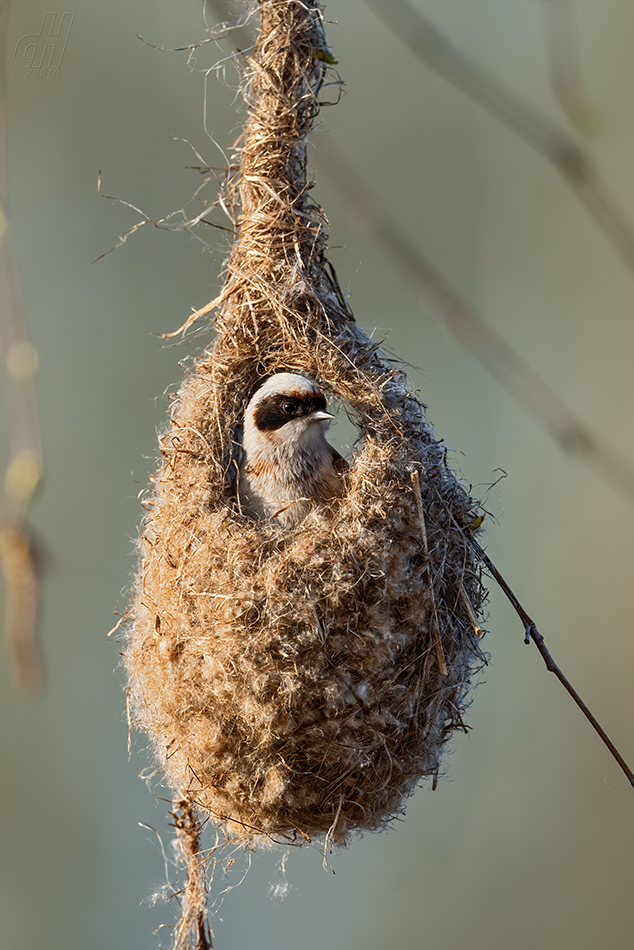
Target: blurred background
(528, 839)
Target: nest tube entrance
(298, 683)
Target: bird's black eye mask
(277, 409)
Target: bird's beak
(320, 415)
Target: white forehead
(291, 383)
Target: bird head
(289, 411)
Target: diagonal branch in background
(567, 429)
(532, 633)
(24, 470)
(560, 149)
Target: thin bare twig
(555, 145)
(532, 633)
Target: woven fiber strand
(299, 682)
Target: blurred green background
(528, 839)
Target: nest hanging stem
(280, 232)
(277, 222)
(277, 267)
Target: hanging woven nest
(299, 681)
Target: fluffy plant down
(298, 682)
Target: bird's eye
(288, 408)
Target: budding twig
(24, 471)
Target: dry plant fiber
(298, 682)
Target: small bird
(287, 465)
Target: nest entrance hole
(345, 433)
